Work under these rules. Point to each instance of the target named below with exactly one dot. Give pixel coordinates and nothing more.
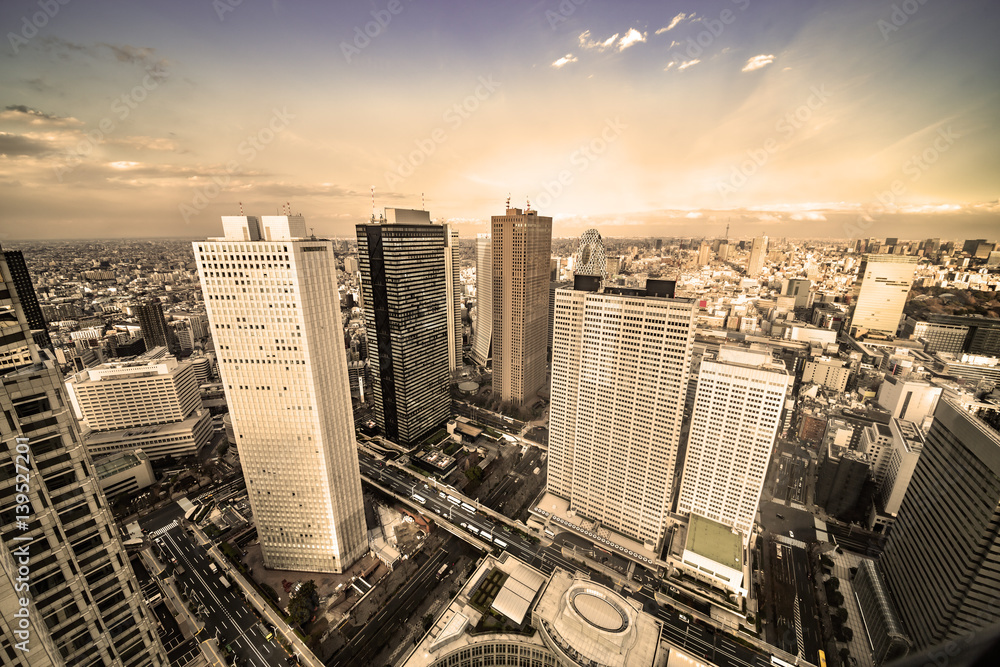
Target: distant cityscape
(416, 448)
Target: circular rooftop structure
(598, 609)
(468, 387)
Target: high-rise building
(909, 398)
(67, 595)
(453, 289)
(483, 345)
(885, 281)
(737, 411)
(521, 244)
(28, 297)
(274, 309)
(758, 251)
(940, 563)
(553, 286)
(154, 326)
(405, 279)
(620, 365)
(703, 253)
(590, 258)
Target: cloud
(758, 62)
(694, 215)
(143, 56)
(633, 36)
(669, 66)
(809, 215)
(16, 145)
(565, 60)
(673, 23)
(687, 63)
(22, 113)
(587, 43)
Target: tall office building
(28, 297)
(703, 251)
(737, 411)
(482, 346)
(154, 327)
(453, 289)
(522, 243)
(885, 281)
(941, 561)
(723, 250)
(272, 300)
(404, 279)
(758, 251)
(82, 605)
(620, 366)
(590, 257)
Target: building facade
(758, 251)
(21, 280)
(275, 313)
(620, 366)
(154, 326)
(409, 321)
(883, 283)
(82, 604)
(737, 411)
(941, 561)
(482, 346)
(521, 245)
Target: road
(226, 614)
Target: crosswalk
(160, 531)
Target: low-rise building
(124, 472)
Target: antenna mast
(373, 203)
(241, 209)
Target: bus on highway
(224, 581)
(500, 543)
(468, 508)
(420, 499)
(454, 501)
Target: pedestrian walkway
(161, 531)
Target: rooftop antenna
(289, 205)
(373, 203)
(508, 200)
(312, 233)
(241, 209)
(527, 206)
(422, 207)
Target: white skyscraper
(481, 347)
(737, 411)
(620, 365)
(453, 290)
(273, 304)
(885, 281)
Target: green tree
(833, 584)
(848, 634)
(303, 604)
(836, 598)
(428, 621)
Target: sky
(792, 118)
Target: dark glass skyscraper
(154, 326)
(28, 297)
(406, 296)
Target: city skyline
(776, 117)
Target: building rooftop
(116, 463)
(714, 541)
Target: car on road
(780, 516)
(683, 618)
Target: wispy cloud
(633, 36)
(758, 62)
(565, 60)
(587, 43)
(687, 63)
(673, 23)
(25, 114)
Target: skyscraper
(590, 258)
(28, 297)
(883, 282)
(521, 244)
(453, 289)
(703, 251)
(154, 327)
(483, 344)
(405, 279)
(940, 563)
(737, 411)
(274, 308)
(67, 596)
(758, 250)
(620, 366)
